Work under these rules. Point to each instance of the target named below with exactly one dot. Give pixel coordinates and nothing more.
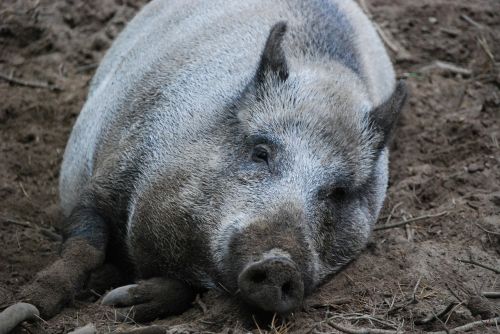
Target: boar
(226, 144)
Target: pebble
(475, 167)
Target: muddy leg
(83, 251)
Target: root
(15, 314)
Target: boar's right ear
(384, 117)
(273, 58)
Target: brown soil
(445, 159)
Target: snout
(273, 284)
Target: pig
(226, 144)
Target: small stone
(475, 167)
(17, 60)
(432, 20)
(492, 221)
(424, 169)
(100, 42)
(495, 198)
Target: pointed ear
(384, 117)
(273, 58)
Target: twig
(225, 289)
(408, 301)
(450, 31)
(360, 330)
(451, 312)
(469, 326)
(256, 324)
(87, 67)
(408, 221)
(461, 97)
(201, 304)
(332, 303)
(49, 234)
(495, 270)
(7, 220)
(26, 83)
(471, 21)
(364, 6)
(445, 66)
(24, 190)
(280, 329)
(389, 217)
(95, 293)
(39, 318)
(360, 316)
(485, 230)
(414, 295)
(447, 331)
(486, 48)
(453, 293)
(45, 231)
(491, 294)
(400, 306)
(398, 49)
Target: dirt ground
(445, 163)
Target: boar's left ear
(384, 117)
(273, 58)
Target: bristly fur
(162, 149)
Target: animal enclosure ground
(445, 170)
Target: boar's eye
(260, 153)
(337, 194)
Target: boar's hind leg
(83, 251)
(150, 299)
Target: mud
(444, 163)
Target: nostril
(258, 276)
(272, 284)
(286, 290)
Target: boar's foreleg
(83, 251)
